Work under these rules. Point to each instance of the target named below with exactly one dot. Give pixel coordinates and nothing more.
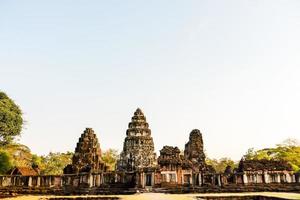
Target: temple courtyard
(162, 196)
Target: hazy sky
(228, 68)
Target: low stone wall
(232, 188)
(107, 183)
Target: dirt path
(161, 196)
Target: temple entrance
(148, 179)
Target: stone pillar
(98, 180)
(9, 181)
(153, 177)
(297, 178)
(61, 182)
(13, 181)
(219, 180)
(49, 181)
(167, 178)
(29, 181)
(245, 179)
(288, 178)
(182, 178)
(213, 179)
(235, 178)
(90, 180)
(142, 180)
(4, 181)
(255, 178)
(101, 178)
(266, 177)
(293, 178)
(38, 182)
(46, 181)
(200, 179)
(278, 178)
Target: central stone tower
(138, 148)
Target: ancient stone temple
(138, 148)
(87, 156)
(194, 150)
(137, 168)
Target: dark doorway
(148, 180)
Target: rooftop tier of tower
(138, 125)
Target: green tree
(251, 154)
(53, 163)
(11, 120)
(20, 154)
(110, 157)
(288, 150)
(221, 164)
(5, 162)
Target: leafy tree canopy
(288, 150)
(110, 157)
(18, 155)
(5, 162)
(221, 164)
(53, 163)
(11, 120)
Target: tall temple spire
(138, 148)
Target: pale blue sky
(228, 68)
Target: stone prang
(194, 150)
(138, 147)
(87, 156)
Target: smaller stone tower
(87, 156)
(194, 150)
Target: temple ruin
(87, 156)
(138, 169)
(194, 151)
(138, 148)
